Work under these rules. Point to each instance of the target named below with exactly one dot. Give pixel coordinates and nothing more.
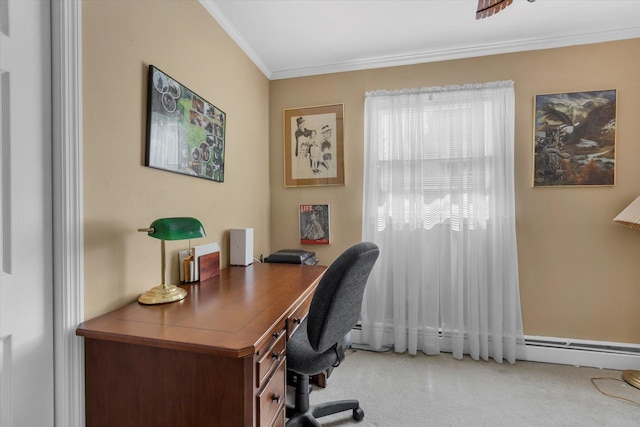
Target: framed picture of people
(313, 146)
(314, 224)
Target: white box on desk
(241, 251)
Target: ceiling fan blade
(489, 7)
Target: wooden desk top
(226, 315)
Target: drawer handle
(276, 398)
(297, 320)
(275, 355)
(276, 335)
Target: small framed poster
(314, 224)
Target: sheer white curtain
(439, 201)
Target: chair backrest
(335, 308)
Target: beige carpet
(397, 390)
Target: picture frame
(185, 132)
(314, 224)
(575, 139)
(314, 146)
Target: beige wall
(579, 272)
(120, 40)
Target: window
(439, 202)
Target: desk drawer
(298, 316)
(269, 355)
(280, 419)
(272, 399)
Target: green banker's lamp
(169, 229)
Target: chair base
(302, 414)
(310, 418)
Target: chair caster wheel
(358, 414)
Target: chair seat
(303, 359)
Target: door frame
(68, 220)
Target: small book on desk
(190, 267)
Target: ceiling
(293, 38)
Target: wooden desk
(216, 358)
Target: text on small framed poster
(314, 224)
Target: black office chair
(321, 340)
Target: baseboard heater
(602, 347)
(597, 354)
(566, 351)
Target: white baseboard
(596, 354)
(564, 351)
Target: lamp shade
(175, 228)
(630, 216)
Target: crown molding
(461, 52)
(233, 32)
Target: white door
(26, 276)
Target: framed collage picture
(314, 224)
(185, 133)
(313, 146)
(575, 139)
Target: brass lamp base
(632, 377)
(162, 294)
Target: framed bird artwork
(575, 139)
